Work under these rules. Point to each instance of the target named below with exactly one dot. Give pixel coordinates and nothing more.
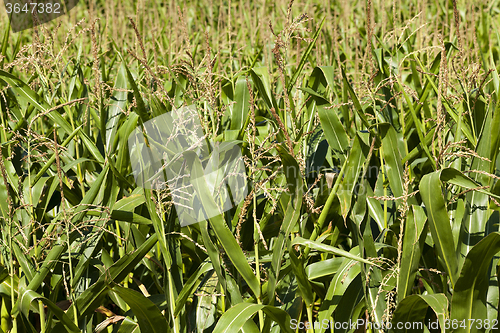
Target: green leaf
(91, 298)
(346, 274)
(392, 159)
(234, 319)
(418, 126)
(29, 96)
(148, 315)
(190, 286)
(239, 112)
(323, 268)
(494, 137)
(319, 98)
(51, 160)
(117, 107)
(27, 296)
(292, 172)
(292, 213)
(469, 295)
(90, 196)
(5, 43)
(305, 287)
(413, 310)
(477, 213)
(121, 215)
(261, 79)
(349, 182)
(206, 302)
(25, 264)
(413, 243)
(330, 249)
(439, 223)
(218, 224)
(304, 57)
(141, 107)
(357, 104)
(48, 264)
(333, 129)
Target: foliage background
(370, 136)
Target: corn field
(367, 131)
